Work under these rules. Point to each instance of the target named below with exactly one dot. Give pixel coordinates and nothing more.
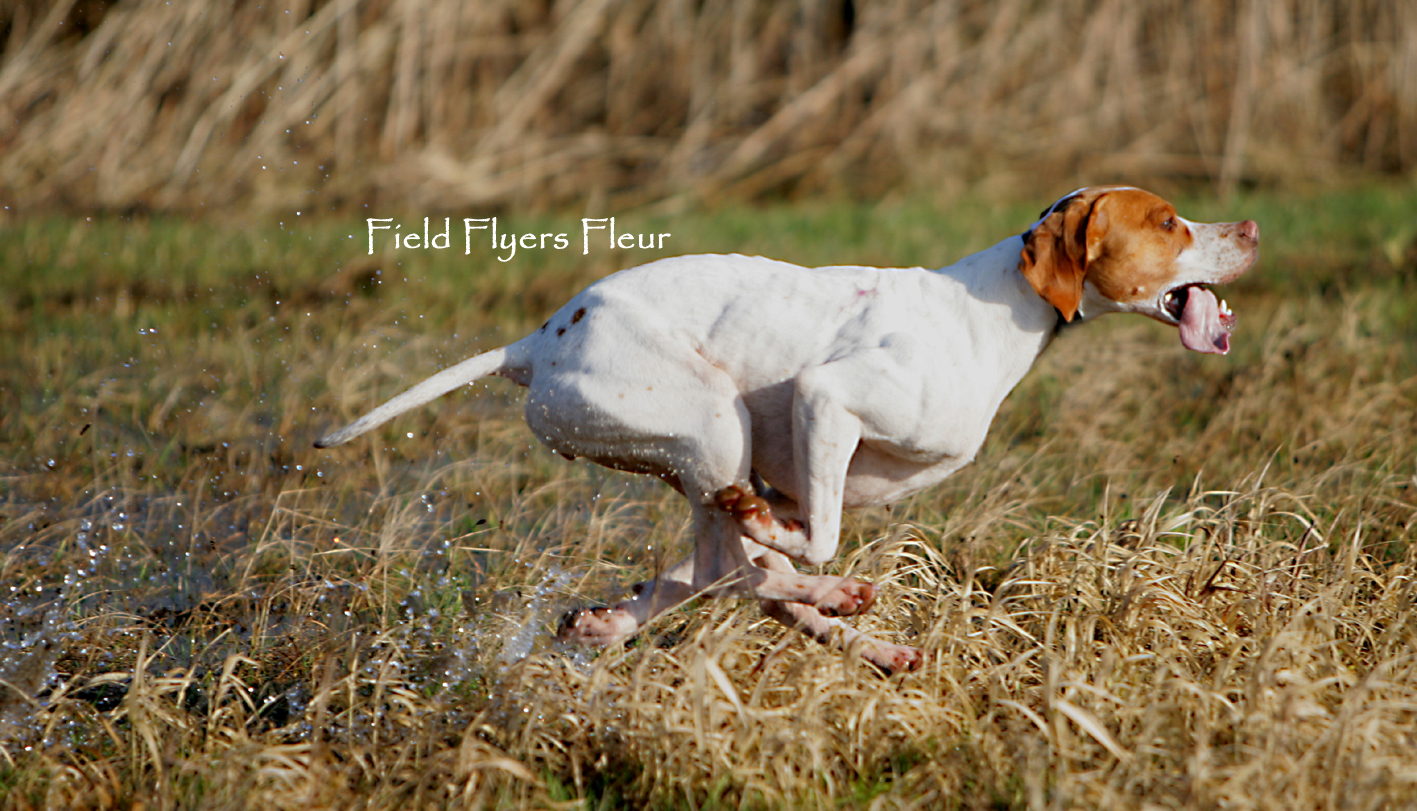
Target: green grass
(1205, 554)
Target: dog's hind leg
(605, 625)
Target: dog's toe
(849, 598)
(728, 497)
(597, 627)
(893, 659)
(752, 508)
(751, 511)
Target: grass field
(1168, 580)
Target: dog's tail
(445, 381)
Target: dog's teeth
(1224, 308)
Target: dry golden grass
(1167, 582)
(442, 104)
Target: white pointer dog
(771, 396)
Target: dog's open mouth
(1205, 324)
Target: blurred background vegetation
(318, 105)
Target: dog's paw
(744, 506)
(892, 659)
(755, 517)
(596, 627)
(849, 598)
(729, 496)
(754, 513)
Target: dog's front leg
(768, 519)
(888, 656)
(824, 438)
(825, 434)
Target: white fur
(837, 386)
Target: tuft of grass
(1167, 580)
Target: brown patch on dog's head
(1141, 239)
(1124, 240)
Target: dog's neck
(1005, 298)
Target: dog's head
(1121, 249)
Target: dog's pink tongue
(1201, 327)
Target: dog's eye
(1170, 224)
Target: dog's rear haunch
(772, 396)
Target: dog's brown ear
(1057, 250)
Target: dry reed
(442, 104)
(1225, 650)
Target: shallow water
(99, 579)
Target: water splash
(27, 670)
(519, 633)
